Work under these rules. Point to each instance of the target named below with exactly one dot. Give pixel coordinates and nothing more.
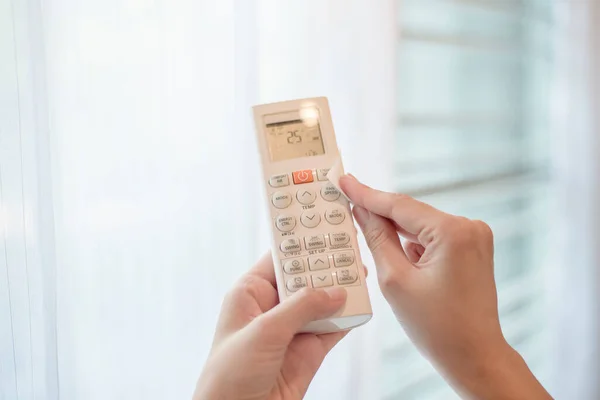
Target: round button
(339, 239)
(306, 197)
(335, 216)
(310, 219)
(281, 199)
(296, 283)
(285, 223)
(330, 192)
(294, 266)
(303, 176)
(290, 245)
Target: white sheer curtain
(577, 162)
(27, 264)
(130, 196)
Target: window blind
(472, 139)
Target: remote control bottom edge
(337, 324)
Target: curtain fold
(28, 353)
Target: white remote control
(314, 238)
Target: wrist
(499, 372)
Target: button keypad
(295, 266)
(306, 197)
(322, 174)
(314, 242)
(346, 276)
(339, 239)
(310, 219)
(305, 176)
(290, 245)
(330, 192)
(335, 216)
(317, 263)
(322, 280)
(297, 283)
(343, 259)
(281, 199)
(312, 257)
(279, 180)
(285, 223)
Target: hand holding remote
(440, 285)
(256, 353)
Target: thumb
(382, 237)
(290, 316)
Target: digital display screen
(294, 139)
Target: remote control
(314, 240)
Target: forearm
(503, 375)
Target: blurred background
(131, 198)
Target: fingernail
(351, 177)
(336, 293)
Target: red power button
(305, 176)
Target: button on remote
(294, 266)
(318, 262)
(297, 283)
(290, 245)
(346, 276)
(322, 280)
(285, 223)
(310, 219)
(314, 242)
(322, 174)
(281, 199)
(306, 197)
(335, 216)
(343, 259)
(339, 239)
(279, 180)
(330, 192)
(304, 176)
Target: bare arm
(440, 285)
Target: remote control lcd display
(294, 139)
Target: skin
(438, 280)
(257, 352)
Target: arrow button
(310, 219)
(322, 280)
(317, 263)
(306, 197)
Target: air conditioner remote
(314, 239)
